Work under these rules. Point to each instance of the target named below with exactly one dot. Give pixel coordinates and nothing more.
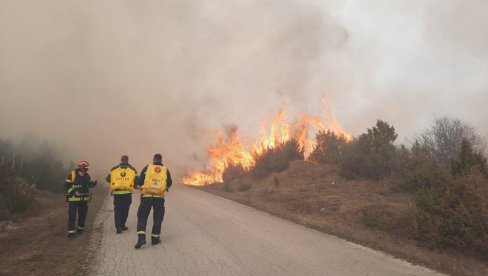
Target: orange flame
(229, 149)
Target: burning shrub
(278, 142)
(232, 172)
(328, 147)
(277, 159)
(372, 154)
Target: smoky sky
(106, 78)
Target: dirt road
(207, 235)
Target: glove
(93, 183)
(167, 190)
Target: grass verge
(37, 244)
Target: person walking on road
(78, 184)
(155, 180)
(122, 180)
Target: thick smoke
(107, 78)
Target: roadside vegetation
(33, 213)
(426, 202)
(26, 167)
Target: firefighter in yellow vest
(122, 180)
(77, 186)
(155, 181)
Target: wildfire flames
(229, 149)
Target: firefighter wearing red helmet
(78, 184)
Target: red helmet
(83, 165)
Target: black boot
(71, 235)
(119, 230)
(125, 228)
(79, 231)
(155, 241)
(140, 242)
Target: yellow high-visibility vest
(122, 179)
(155, 181)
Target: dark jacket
(82, 184)
(169, 181)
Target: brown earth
(38, 244)
(370, 213)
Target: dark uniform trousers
(122, 204)
(157, 204)
(82, 208)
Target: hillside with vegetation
(427, 203)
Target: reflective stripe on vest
(122, 179)
(79, 198)
(155, 181)
(121, 192)
(156, 196)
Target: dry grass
(38, 245)
(365, 212)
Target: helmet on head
(83, 165)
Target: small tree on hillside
(422, 170)
(277, 159)
(469, 158)
(380, 138)
(444, 139)
(372, 154)
(328, 147)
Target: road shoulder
(38, 245)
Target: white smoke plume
(107, 78)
